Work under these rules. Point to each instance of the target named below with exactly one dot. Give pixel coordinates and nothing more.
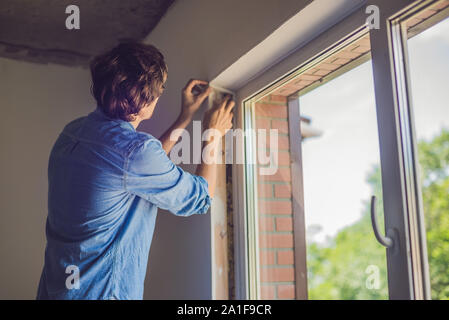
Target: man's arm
(218, 119)
(191, 102)
(169, 138)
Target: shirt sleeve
(151, 175)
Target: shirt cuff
(208, 199)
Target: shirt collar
(124, 124)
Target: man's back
(105, 183)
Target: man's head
(128, 80)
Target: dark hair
(127, 78)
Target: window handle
(386, 241)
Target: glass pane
(341, 165)
(429, 68)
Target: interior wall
(36, 102)
(200, 39)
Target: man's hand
(220, 116)
(192, 99)
(193, 95)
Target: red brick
(328, 66)
(266, 257)
(321, 72)
(287, 90)
(279, 92)
(284, 224)
(352, 47)
(441, 5)
(265, 190)
(271, 110)
(267, 292)
(283, 142)
(413, 22)
(263, 123)
(365, 41)
(277, 98)
(282, 191)
(300, 86)
(276, 240)
(426, 14)
(285, 257)
(361, 49)
(348, 55)
(341, 61)
(275, 207)
(286, 291)
(301, 83)
(265, 99)
(277, 274)
(309, 77)
(281, 125)
(281, 175)
(283, 158)
(266, 224)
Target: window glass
(428, 54)
(341, 165)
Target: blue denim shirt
(106, 181)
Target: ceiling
(34, 30)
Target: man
(106, 180)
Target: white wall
(200, 39)
(36, 101)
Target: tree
(337, 269)
(434, 167)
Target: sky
(337, 164)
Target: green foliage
(337, 269)
(434, 167)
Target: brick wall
(427, 13)
(275, 207)
(277, 270)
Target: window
(341, 166)
(428, 52)
(365, 116)
(340, 169)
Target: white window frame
(407, 264)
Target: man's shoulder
(100, 134)
(73, 125)
(146, 146)
(144, 139)
(115, 135)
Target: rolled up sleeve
(151, 175)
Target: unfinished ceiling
(34, 30)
